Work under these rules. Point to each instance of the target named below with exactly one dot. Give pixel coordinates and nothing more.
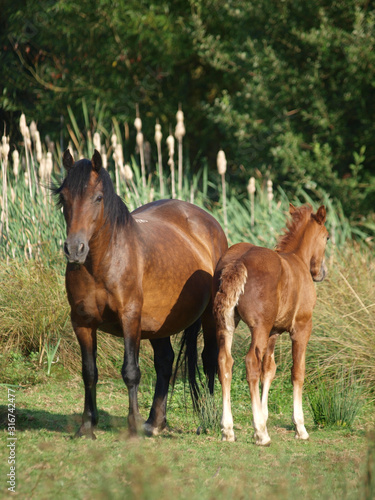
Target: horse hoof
(229, 439)
(262, 440)
(87, 434)
(150, 430)
(302, 437)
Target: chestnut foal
(272, 292)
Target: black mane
(76, 181)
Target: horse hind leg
(163, 362)
(300, 338)
(210, 349)
(254, 359)
(233, 279)
(268, 372)
(225, 367)
(191, 339)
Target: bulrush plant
(221, 163)
(179, 134)
(251, 190)
(139, 140)
(158, 138)
(170, 144)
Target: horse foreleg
(300, 338)
(268, 372)
(131, 375)
(87, 340)
(163, 362)
(225, 365)
(254, 360)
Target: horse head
(81, 196)
(320, 237)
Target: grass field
(333, 464)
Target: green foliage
(335, 402)
(209, 413)
(285, 89)
(51, 350)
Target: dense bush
(286, 88)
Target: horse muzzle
(76, 250)
(321, 275)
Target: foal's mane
(76, 181)
(294, 228)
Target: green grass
(178, 463)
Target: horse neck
(105, 239)
(305, 248)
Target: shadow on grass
(27, 420)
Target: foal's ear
(96, 161)
(68, 160)
(292, 209)
(321, 215)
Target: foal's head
(89, 203)
(307, 231)
(320, 237)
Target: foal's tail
(188, 359)
(232, 284)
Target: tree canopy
(286, 88)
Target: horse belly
(174, 307)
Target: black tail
(187, 359)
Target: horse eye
(99, 197)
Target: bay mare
(140, 275)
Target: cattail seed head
(139, 139)
(96, 141)
(16, 162)
(33, 130)
(4, 148)
(23, 124)
(27, 137)
(49, 164)
(221, 162)
(104, 157)
(118, 155)
(126, 172)
(170, 144)
(180, 127)
(138, 124)
(269, 190)
(38, 146)
(42, 169)
(158, 134)
(251, 186)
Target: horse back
(181, 223)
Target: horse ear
(68, 160)
(321, 215)
(96, 161)
(292, 208)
